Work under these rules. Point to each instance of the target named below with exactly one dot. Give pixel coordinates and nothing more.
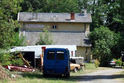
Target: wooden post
(41, 56)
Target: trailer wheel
(75, 69)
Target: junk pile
(20, 68)
(25, 68)
(3, 73)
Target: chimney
(72, 15)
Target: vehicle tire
(67, 75)
(44, 75)
(75, 69)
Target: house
(65, 29)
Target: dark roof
(53, 17)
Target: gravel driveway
(102, 76)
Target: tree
(103, 40)
(8, 23)
(50, 6)
(97, 9)
(44, 38)
(104, 12)
(122, 9)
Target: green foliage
(5, 59)
(8, 23)
(97, 63)
(118, 62)
(7, 36)
(44, 38)
(8, 59)
(90, 66)
(9, 8)
(104, 12)
(122, 10)
(50, 6)
(103, 40)
(17, 61)
(18, 40)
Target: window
(50, 55)
(60, 55)
(54, 27)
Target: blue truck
(56, 62)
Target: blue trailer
(56, 62)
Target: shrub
(97, 63)
(103, 40)
(118, 62)
(7, 59)
(45, 38)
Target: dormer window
(54, 27)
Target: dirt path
(102, 76)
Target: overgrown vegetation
(103, 40)
(8, 36)
(97, 63)
(118, 62)
(10, 59)
(45, 38)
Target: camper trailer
(32, 53)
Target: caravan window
(50, 55)
(60, 55)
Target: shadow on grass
(32, 75)
(72, 78)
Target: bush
(44, 38)
(17, 62)
(103, 40)
(8, 59)
(97, 63)
(118, 62)
(5, 59)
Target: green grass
(3, 81)
(90, 66)
(37, 77)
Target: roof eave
(55, 21)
